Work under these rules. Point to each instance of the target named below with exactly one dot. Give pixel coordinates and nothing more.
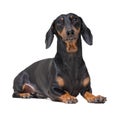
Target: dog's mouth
(71, 45)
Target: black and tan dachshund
(63, 77)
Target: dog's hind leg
(28, 91)
(21, 95)
(23, 88)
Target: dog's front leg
(94, 99)
(59, 94)
(88, 93)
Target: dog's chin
(72, 50)
(71, 45)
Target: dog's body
(63, 77)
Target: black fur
(69, 66)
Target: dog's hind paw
(25, 95)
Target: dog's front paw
(97, 99)
(67, 98)
(94, 99)
(71, 100)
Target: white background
(23, 25)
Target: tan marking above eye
(71, 16)
(61, 18)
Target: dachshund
(63, 77)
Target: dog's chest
(70, 72)
(72, 83)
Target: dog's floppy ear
(86, 33)
(49, 36)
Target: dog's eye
(60, 21)
(74, 19)
(60, 24)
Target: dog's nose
(70, 32)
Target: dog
(63, 77)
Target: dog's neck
(63, 57)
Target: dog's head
(69, 28)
